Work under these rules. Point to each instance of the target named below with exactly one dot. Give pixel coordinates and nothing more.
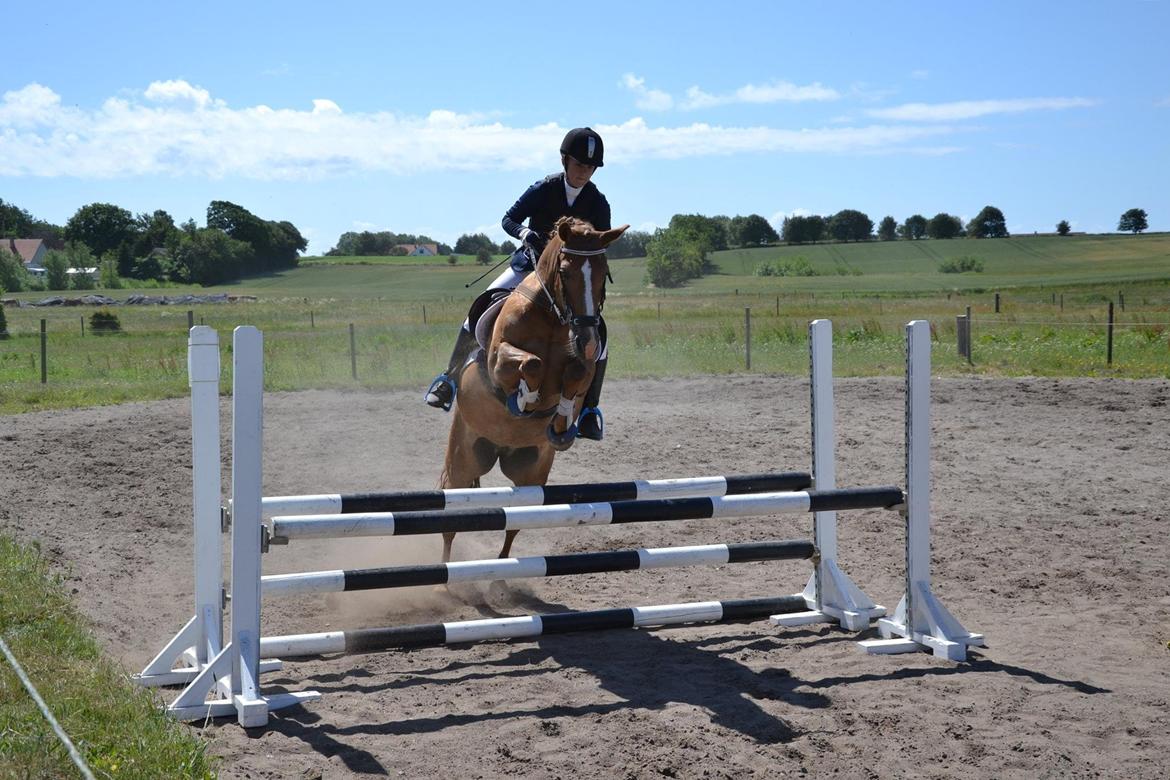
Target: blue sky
(433, 118)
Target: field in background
(1054, 294)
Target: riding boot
(441, 393)
(591, 425)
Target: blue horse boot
(591, 423)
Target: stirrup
(591, 424)
(441, 393)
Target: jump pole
(920, 621)
(370, 640)
(234, 674)
(345, 580)
(832, 597)
(534, 495)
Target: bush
(672, 258)
(797, 266)
(13, 277)
(961, 265)
(452, 259)
(104, 321)
(483, 257)
(3, 324)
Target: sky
(433, 118)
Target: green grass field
(1054, 297)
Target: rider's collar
(571, 192)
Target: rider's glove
(533, 240)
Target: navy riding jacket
(544, 203)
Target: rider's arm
(522, 209)
(600, 216)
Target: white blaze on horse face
(586, 272)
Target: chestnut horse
(539, 363)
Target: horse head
(574, 268)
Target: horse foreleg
(468, 458)
(517, 371)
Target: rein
(567, 317)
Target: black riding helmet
(584, 145)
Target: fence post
(312, 322)
(997, 303)
(1121, 299)
(83, 325)
(424, 314)
(190, 319)
(970, 349)
(1062, 302)
(961, 334)
(44, 354)
(747, 336)
(1109, 339)
(352, 353)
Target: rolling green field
(1054, 294)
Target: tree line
(150, 246)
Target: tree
(483, 256)
(850, 225)
(155, 231)
(107, 274)
(104, 227)
(988, 223)
(888, 229)
(507, 247)
(470, 244)
(1134, 221)
(753, 230)
(13, 277)
(943, 225)
(56, 270)
(800, 230)
(708, 231)
(3, 323)
(673, 257)
(208, 256)
(632, 243)
(1063, 228)
(914, 227)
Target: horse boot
(591, 425)
(441, 393)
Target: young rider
(566, 194)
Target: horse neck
(546, 270)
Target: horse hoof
(562, 441)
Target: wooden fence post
(747, 337)
(44, 354)
(1109, 338)
(352, 353)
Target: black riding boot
(441, 393)
(591, 425)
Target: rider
(566, 194)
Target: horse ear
(609, 236)
(565, 229)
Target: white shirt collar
(571, 193)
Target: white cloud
(970, 109)
(648, 99)
(169, 91)
(696, 98)
(775, 92)
(174, 129)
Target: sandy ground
(1051, 522)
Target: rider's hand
(533, 240)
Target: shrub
(961, 265)
(452, 259)
(3, 323)
(104, 321)
(483, 257)
(797, 266)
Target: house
(31, 252)
(419, 250)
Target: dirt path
(1051, 520)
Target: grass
(118, 728)
(404, 319)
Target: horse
(519, 400)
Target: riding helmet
(584, 145)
